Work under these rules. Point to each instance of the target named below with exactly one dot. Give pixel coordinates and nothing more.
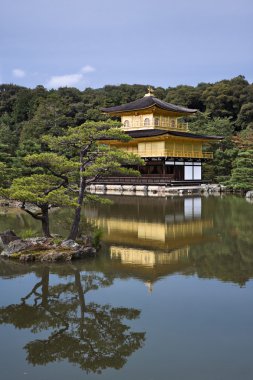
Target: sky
(92, 43)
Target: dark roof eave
(148, 102)
(107, 110)
(159, 132)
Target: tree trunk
(45, 221)
(45, 286)
(80, 292)
(77, 217)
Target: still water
(170, 295)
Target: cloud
(70, 80)
(18, 73)
(87, 69)
(64, 80)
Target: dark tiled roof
(159, 132)
(146, 133)
(147, 102)
(195, 136)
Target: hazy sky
(90, 43)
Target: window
(156, 121)
(126, 124)
(146, 122)
(197, 172)
(188, 172)
(173, 123)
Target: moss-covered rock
(46, 249)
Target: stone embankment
(9, 203)
(155, 190)
(249, 194)
(43, 249)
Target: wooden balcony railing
(174, 153)
(183, 127)
(166, 179)
(141, 180)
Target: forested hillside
(225, 108)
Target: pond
(170, 295)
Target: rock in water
(44, 249)
(53, 257)
(27, 258)
(6, 237)
(15, 247)
(70, 244)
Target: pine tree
(242, 172)
(60, 178)
(94, 159)
(46, 190)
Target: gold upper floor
(164, 146)
(152, 121)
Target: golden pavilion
(170, 151)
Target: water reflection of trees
(222, 249)
(90, 335)
(230, 257)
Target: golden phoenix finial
(150, 91)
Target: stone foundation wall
(154, 191)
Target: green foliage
(188, 96)
(224, 152)
(59, 178)
(19, 165)
(57, 240)
(205, 124)
(45, 190)
(28, 233)
(22, 107)
(39, 189)
(225, 98)
(3, 173)
(29, 114)
(245, 116)
(97, 158)
(242, 172)
(52, 163)
(93, 198)
(96, 237)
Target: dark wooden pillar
(164, 168)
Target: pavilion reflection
(148, 235)
(147, 257)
